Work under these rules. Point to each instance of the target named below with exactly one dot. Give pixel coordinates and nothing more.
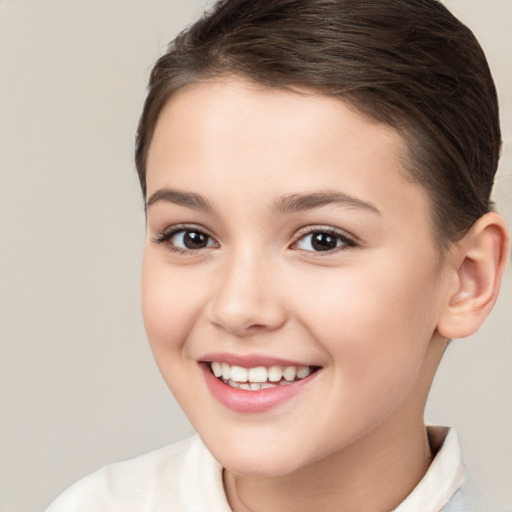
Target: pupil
(195, 240)
(323, 241)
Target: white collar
(443, 478)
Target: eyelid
(351, 241)
(165, 235)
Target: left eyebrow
(182, 198)
(301, 202)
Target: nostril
(243, 330)
(256, 327)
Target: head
(409, 64)
(317, 177)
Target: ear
(477, 265)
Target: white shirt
(184, 477)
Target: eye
(188, 239)
(185, 240)
(323, 241)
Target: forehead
(255, 139)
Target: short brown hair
(408, 63)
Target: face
(291, 286)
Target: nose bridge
(246, 299)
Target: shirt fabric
(184, 477)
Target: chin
(259, 465)
(256, 458)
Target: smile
(253, 384)
(258, 377)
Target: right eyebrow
(309, 201)
(188, 199)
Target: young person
(317, 179)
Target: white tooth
(216, 368)
(284, 383)
(239, 374)
(232, 383)
(267, 385)
(258, 374)
(289, 373)
(255, 386)
(275, 374)
(245, 386)
(303, 372)
(226, 371)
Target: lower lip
(241, 400)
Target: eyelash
(165, 237)
(346, 241)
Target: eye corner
(174, 238)
(329, 240)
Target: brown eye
(190, 240)
(322, 241)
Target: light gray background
(78, 386)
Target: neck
(374, 474)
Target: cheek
(371, 302)
(375, 324)
(170, 302)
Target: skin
(373, 313)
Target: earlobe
(478, 265)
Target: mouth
(258, 378)
(255, 384)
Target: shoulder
(472, 498)
(149, 482)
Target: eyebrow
(287, 204)
(188, 199)
(302, 202)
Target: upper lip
(249, 360)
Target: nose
(247, 299)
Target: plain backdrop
(78, 386)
